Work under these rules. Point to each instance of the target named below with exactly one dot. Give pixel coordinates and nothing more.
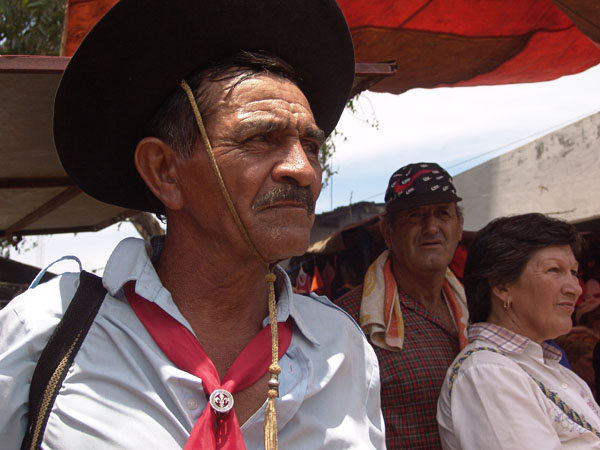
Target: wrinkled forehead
(243, 89)
(431, 208)
(273, 102)
(550, 254)
(247, 87)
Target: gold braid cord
(274, 369)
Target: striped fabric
(506, 340)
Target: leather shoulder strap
(59, 353)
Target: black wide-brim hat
(138, 53)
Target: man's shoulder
(319, 304)
(334, 331)
(322, 316)
(36, 312)
(350, 301)
(53, 296)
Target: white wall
(557, 174)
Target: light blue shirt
(123, 393)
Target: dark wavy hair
(502, 248)
(174, 120)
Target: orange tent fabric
(474, 42)
(449, 43)
(81, 16)
(317, 286)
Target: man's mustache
(289, 192)
(432, 237)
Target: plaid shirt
(507, 341)
(412, 378)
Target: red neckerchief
(212, 430)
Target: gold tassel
(274, 369)
(271, 424)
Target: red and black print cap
(419, 184)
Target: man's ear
(385, 229)
(461, 221)
(155, 161)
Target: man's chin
(280, 246)
(435, 263)
(287, 216)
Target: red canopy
(474, 42)
(435, 43)
(448, 43)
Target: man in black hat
(411, 306)
(211, 113)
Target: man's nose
(430, 222)
(297, 167)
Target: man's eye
(443, 215)
(311, 147)
(260, 138)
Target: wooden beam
(381, 69)
(81, 229)
(57, 64)
(126, 214)
(33, 183)
(60, 199)
(32, 64)
(369, 74)
(146, 225)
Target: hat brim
(137, 54)
(402, 204)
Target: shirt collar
(132, 261)
(288, 307)
(507, 341)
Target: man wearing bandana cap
(212, 113)
(411, 306)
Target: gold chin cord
(274, 369)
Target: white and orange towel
(380, 312)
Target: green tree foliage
(31, 27)
(329, 146)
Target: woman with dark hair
(506, 389)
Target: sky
(456, 127)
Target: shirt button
(564, 385)
(192, 404)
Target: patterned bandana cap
(419, 184)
